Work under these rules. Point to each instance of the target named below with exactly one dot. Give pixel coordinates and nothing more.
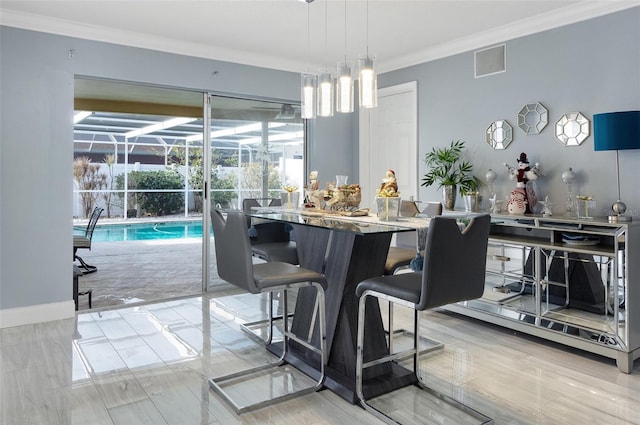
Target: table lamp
(617, 131)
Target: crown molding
(554, 19)
(39, 23)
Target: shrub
(155, 203)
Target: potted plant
(447, 169)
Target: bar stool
(400, 258)
(235, 265)
(442, 281)
(404, 258)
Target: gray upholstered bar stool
(442, 281)
(270, 240)
(235, 265)
(401, 258)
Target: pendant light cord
(309, 35)
(367, 28)
(345, 31)
(326, 31)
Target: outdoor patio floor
(142, 271)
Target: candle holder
(586, 206)
(491, 177)
(388, 207)
(568, 178)
(290, 197)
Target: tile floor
(150, 364)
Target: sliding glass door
(139, 154)
(256, 150)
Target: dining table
(347, 250)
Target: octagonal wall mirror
(572, 129)
(499, 134)
(532, 118)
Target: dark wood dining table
(347, 251)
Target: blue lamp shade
(616, 131)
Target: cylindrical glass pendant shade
(325, 94)
(308, 96)
(367, 83)
(344, 88)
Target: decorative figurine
(312, 196)
(546, 204)
(313, 184)
(388, 197)
(496, 205)
(518, 202)
(389, 186)
(524, 175)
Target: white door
(389, 140)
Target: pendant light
(344, 85)
(325, 79)
(368, 80)
(309, 82)
(308, 103)
(325, 94)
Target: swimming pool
(147, 231)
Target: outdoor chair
(454, 271)
(77, 272)
(235, 265)
(84, 241)
(270, 240)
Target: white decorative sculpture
(546, 210)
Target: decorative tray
(363, 212)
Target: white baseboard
(19, 316)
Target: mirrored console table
(566, 280)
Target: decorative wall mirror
(532, 118)
(572, 129)
(499, 134)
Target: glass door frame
(207, 113)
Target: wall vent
(491, 60)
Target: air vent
(491, 60)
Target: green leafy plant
(155, 203)
(253, 177)
(223, 184)
(446, 167)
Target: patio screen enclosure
(138, 152)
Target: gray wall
(36, 153)
(590, 67)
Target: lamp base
(619, 209)
(619, 218)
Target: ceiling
(275, 34)
(272, 34)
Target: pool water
(147, 231)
